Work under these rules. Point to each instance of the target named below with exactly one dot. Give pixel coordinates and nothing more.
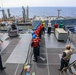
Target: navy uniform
(38, 39)
(65, 57)
(35, 44)
(49, 27)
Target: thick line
(47, 60)
(16, 69)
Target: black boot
(3, 68)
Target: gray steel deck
(14, 53)
(51, 50)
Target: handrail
(28, 58)
(71, 64)
(70, 34)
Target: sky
(38, 3)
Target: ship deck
(14, 53)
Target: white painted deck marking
(47, 57)
(19, 54)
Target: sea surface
(42, 11)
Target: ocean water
(42, 11)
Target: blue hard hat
(34, 36)
(33, 33)
(34, 28)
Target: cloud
(17, 3)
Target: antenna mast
(58, 13)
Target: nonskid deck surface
(14, 52)
(15, 49)
(51, 50)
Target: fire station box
(61, 34)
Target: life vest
(49, 24)
(36, 32)
(43, 24)
(55, 25)
(61, 25)
(38, 39)
(39, 29)
(68, 54)
(35, 42)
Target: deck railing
(28, 60)
(70, 34)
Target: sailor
(43, 25)
(55, 26)
(40, 28)
(1, 66)
(49, 27)
(35, 44)
(38, 39)
(66, 57)
(61, 25)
